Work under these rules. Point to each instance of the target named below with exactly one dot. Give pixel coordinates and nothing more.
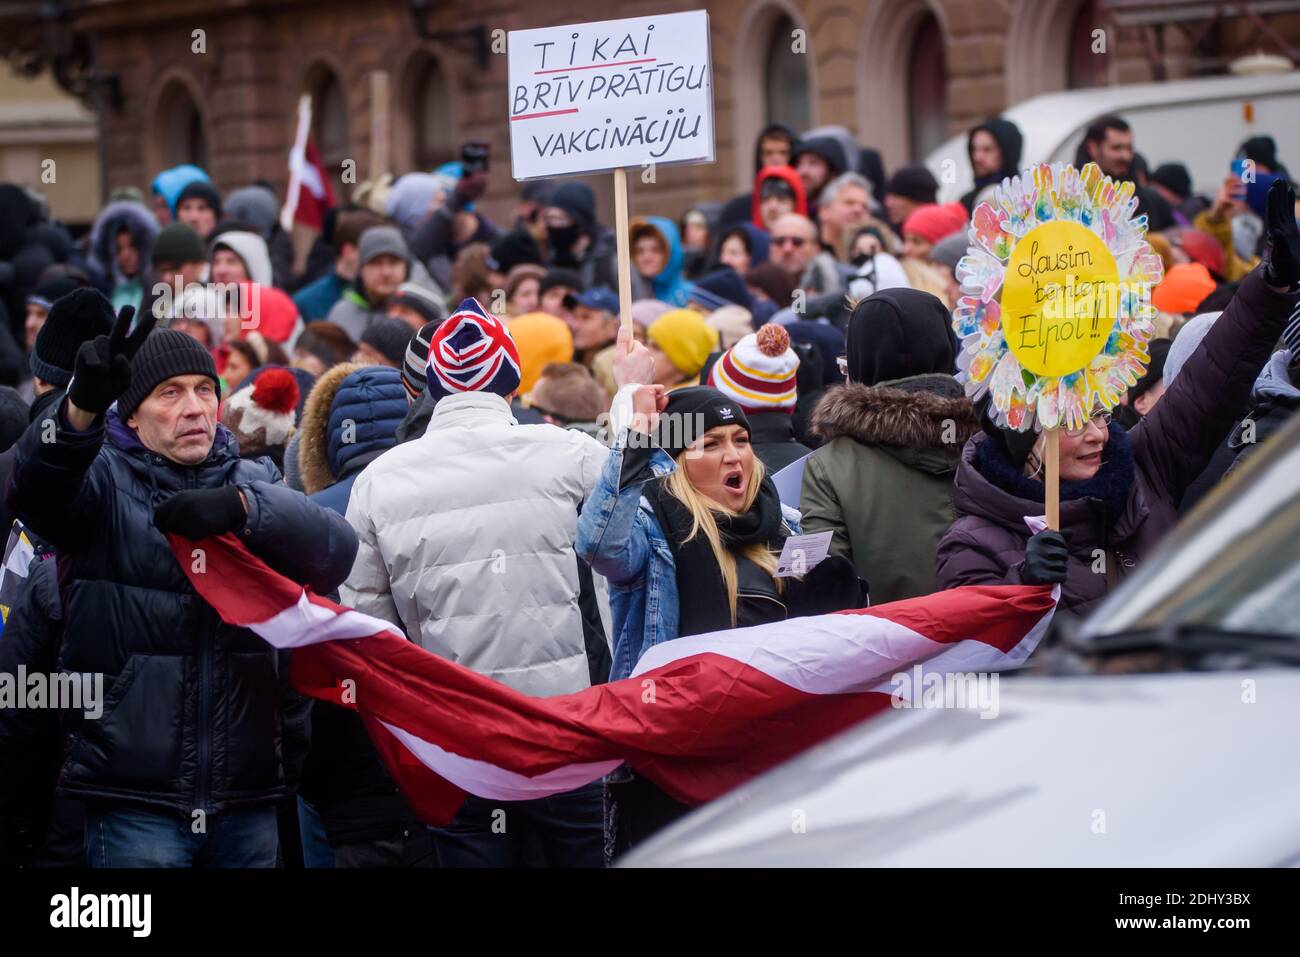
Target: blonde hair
(702, 509)
(927, 277)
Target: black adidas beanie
(690, 413)
(74, 318)
(164, 354)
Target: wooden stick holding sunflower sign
(1055, 312)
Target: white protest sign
(589, 97)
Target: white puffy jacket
(467, 542)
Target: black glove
(103, 367)
(1045, 558)
(1281, 254)
(830, 585)
(201, 512)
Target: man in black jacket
(199, 733)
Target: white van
(1199, 123)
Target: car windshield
(1232, 565)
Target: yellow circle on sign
(1059, 298)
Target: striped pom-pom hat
(472, 351)
(758, 372)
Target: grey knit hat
(378, 240)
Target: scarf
(701, 592)
(1111, 485)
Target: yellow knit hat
(541, 339)
(685, 338)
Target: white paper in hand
(801, 553)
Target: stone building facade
(216, 81)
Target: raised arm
(1177, 438)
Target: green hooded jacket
(882, 482)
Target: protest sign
(1055, 311)
(591, 97)
(1059, 298)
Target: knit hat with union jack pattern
(472, 352)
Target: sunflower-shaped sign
(1055, 312)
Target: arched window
(927, 89)
(430, 104)
(180, 128)
(329, 117)
(772, 80)
(1086, 68)
(786, 74)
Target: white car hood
(1168, 770)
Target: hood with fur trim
(314, 443)
(351, 418)
(913, 413)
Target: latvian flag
(309, 193)
(699, 716)
(314, 193)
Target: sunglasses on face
(795, 241)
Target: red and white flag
(699, 715)
(309, 193)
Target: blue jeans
(565, 830)
(119, 836)
(316, 850)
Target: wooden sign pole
(1052, 480)
(378, 124)
(624, 251)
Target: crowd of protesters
(439, 420)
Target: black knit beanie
(205, 191)
(915, 183)
(389, 337)
(166, 353)
(77, 317)
(690, 413)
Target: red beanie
(270, 311)
(933, 222)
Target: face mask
(563, 237)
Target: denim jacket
(620, 537)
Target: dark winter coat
(344, 779)
(29, 737)
(882, 481)
(772, 436)
(1272, 403)
(197, 714)
(1169, 448)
